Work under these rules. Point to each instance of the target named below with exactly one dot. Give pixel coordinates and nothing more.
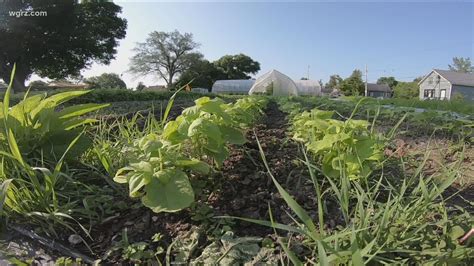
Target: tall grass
(388, 220)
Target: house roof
(457, 78)
(378, 87)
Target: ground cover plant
(235, 180)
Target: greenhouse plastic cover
(308, 87)
(280, 83)
(241, 86)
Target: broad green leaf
(173, 196)
(232, 135)
(194, 165)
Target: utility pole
(366, 71)
(307, 74)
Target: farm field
(251, 180)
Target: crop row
(158, 164)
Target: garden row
(57, 164)
(390, 215)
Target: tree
(406, 90)
(72, 36)
(201, 73)
(334, 82)
(106, 81)
(461, 64)
(166, 54)
(353, 85)
(390, 81)
(238, 66)
(140, 86)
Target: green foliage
(39, 127)
(390, 81)
(344, 148)
(334, 82)
(158, 165)
(406, 90)
(88, 32)
(353, 85)
(106, 81)
(166, 54)
(201, 74)
(389, 222)
(238, 66)
(140, 86)
(208, 127)
(159, 168)
(461, 64)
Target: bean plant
(159, 165)
(344, 148)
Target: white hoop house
(308, 87)
(274, 83)
(237, 86)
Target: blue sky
(398, 39)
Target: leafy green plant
(158, 167)
(40, 129)
(404, 222)
(345, 148)
(207, 128)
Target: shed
(378, 90)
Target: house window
(442, 94)
(430, 80)
(429, 93)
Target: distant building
(308, 87)
(67, 85)
(378, 90)
(444, 84)
(233, 86)
(156, 88)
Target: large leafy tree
(201, 73)
(72, 36)
(353, 85)
(406, 90)
(390, 81)
(461, 64)
(239, 66)
(106, 81)
(165, 54)
(334, 82)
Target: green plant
(403, 222)
(41, 130)
(159, 167)
(207, 128)
(344, 148)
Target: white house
(444, 84)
